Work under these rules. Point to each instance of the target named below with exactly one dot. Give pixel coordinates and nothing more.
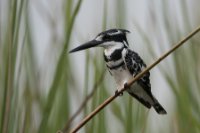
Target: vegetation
(40, 92)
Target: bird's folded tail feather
(159, 109)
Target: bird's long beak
(86, 45)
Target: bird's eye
(106, 37)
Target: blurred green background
(43, 89)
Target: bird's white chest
(121, 76)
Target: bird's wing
(135, 65)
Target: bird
(124, 64)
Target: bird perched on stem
(124, 64)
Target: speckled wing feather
(135, 65)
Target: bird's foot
(117, 92)
(125, 85)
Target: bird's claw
(117, 92)
(125, 85)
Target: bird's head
(106, 39)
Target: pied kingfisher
(124, 64)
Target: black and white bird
(124, 64)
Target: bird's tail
(159, 109)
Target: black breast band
(116, 55)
